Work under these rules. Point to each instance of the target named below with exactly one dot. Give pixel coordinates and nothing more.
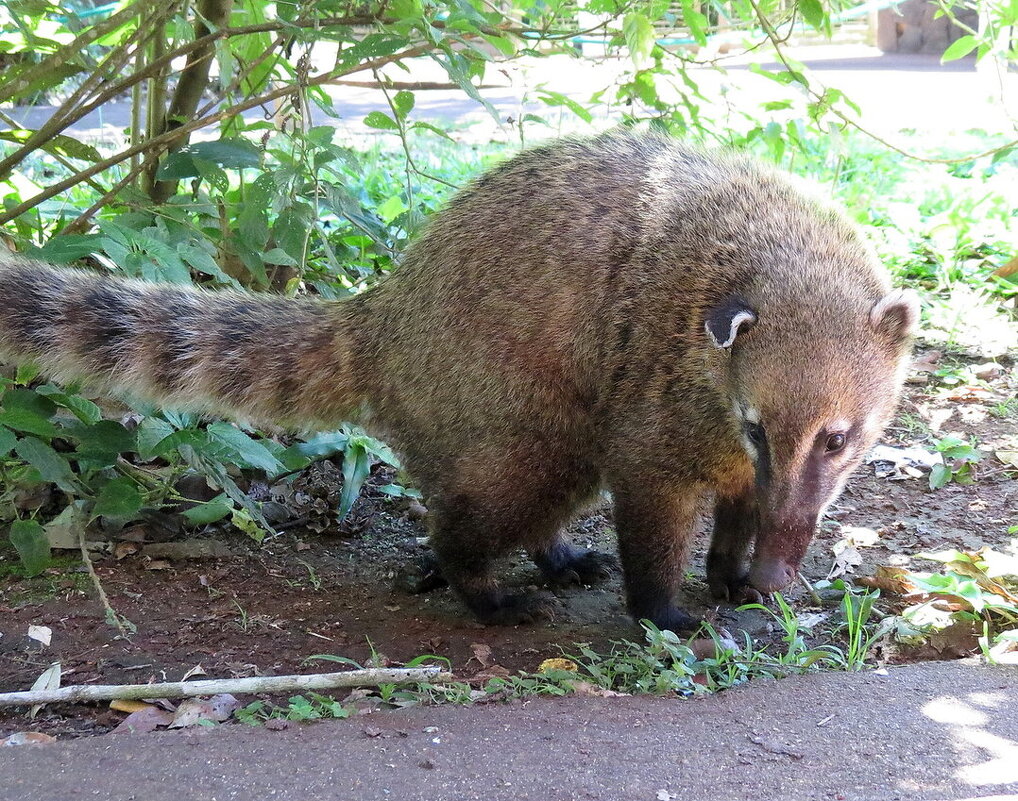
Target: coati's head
(812, 381)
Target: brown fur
(546, 335)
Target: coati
(680, 326)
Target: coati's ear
(725, 321)
(896, 315)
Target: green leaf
(28, 422)
(59, 145)
(7, 441)
(84, 409)
(813, 13)
(381, 120)
(250, 452)
(939, 476)
(118, 498)
(391, 208)
(210, 511)
(50, 464)
(427, 126)
(404, 103)
(30, 542)
(104, 437)
(151, 432)
(356, 468)
(29, 400)
(696, 21)
(960, 48)
(639, 35)
(233, 154)
(558, 99)
(322, 446)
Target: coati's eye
(755, 433)
(835, 442)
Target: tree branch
(255, 684)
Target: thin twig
(110, 613)
(809, 588)
(370, 677)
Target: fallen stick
(254, 684)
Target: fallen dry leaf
(124, 549)
(157, 564)
(481, 654)
(1010, 458)
(192, 711)
(49, 679)
(558, 663)
(41, 634)
(27, 738)
(586, 688)
(144, 720)
(888, 579)
(127, 705)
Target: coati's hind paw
(563, 565)
(422, 575)
(512, 610)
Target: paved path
(928, 731)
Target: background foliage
(199, 191)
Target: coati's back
(557, 275)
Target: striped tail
(257, 357)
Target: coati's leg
(563, 563)
(736, 521)
(655, 523)
(468, 536)
(496, 500)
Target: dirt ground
(327, 588)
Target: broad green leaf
(84, 409)
(30, 542)
(356, 469)
(404, 103)
(210, 511)
(7, 441)
(150, 433)
(50, 464)
(66, 248)
(639, 35)
(28, 400)
(103, 437)
(381, 120)
(391, 208)
(960, 48)
(813, 13)
(118, 498)
(939, 476)
(322, 446)
(232, 154)
(28, 422)
(59, 145)
(250, 452)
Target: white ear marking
(737, 321)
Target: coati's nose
(771, 575)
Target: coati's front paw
(512, 610)
(734, 589)
(728, 580)
(565, 565)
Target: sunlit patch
(971, 737)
